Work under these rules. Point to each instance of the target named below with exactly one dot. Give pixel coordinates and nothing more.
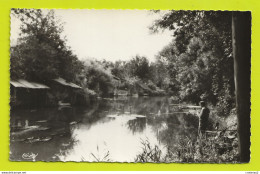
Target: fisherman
(203, 118)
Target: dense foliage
(41, 53)
(199, 59)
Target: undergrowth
(218, 147)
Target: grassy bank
(218, 145)
(213, 149)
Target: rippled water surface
(107, 130)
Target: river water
(107, 130)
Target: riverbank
(219, 145)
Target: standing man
(203, 118)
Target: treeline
(40, 54)
(196, 65)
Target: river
(110, 129)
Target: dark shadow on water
(49, 133)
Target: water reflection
(137, 125)
(107, 130)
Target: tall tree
(139, 66)
(200, 55)
(41, 50)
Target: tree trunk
(241, 38)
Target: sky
(109, 34)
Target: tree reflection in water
(88, 134)
(137, 125)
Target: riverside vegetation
(196, 65)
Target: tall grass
(149, 153)
(98, 156)
(216, 148)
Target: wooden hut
(65, 92)
(25, 93)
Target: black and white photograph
(138, 86)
